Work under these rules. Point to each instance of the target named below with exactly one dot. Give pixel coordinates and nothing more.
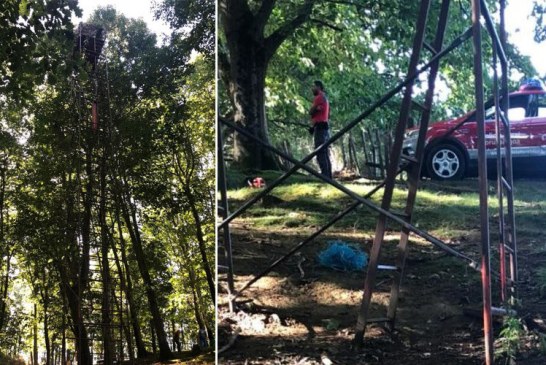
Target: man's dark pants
(322, 135)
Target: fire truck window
(516, 113)
(541, 106)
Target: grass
(314, 203)
(448, 210)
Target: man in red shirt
(320, 113)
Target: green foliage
(153, 105)
(539, 8)
(509, 337)
(28, 33)
(360, 50)
(193, 23)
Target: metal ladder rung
(387, 267)
(508, 248)
(430, 48)
(420, 106)
(409, 158)
(506, 184)
(504, 120)
(496, 311)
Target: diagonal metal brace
(299, 164)
(456, 43)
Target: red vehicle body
(451, 150)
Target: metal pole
(483, 185)
(389, 186)
(414, 173)
(511, 224)
(222, 184)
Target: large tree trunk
(46, 337)
(124, 279)
(248, 71)
(165, 352)
(78, 327)
(245, 70)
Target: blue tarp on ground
(343, 256)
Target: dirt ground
(302, 313)
(181, 358)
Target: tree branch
(277, 37)
(358, 5)
(326, 24)
(262, 16)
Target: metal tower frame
(413, 164)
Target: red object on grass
(257, 182)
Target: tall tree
(249, 46)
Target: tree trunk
(246, 67)
(132, 226)
(78, 328)
(201, 241)
(105, 268)
(63, 340)
(123, 284)
(248, 70)
(154, 343)
(74, 270)
(46, 335)
(35, 336)
(4, 291)
(133, 312)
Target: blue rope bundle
(343, 257)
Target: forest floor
(302, 313)
(181, 358)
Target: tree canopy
(106, 184)
(358, 49)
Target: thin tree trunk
(35, 336)
(154, 343)
(133, 313)
(5, 287)
(367, 168)
(46, 335)
(352, 151)
(105, 267)
(165, 352)
(201, 241)
(63, 340)
(380, 154)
